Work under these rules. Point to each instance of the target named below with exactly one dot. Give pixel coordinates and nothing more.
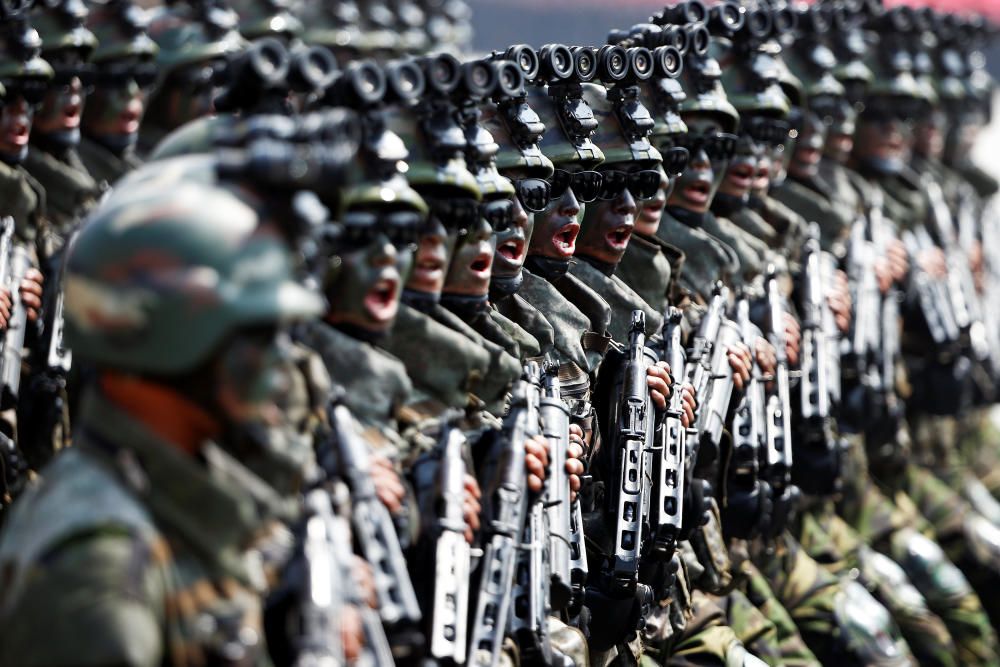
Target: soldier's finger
(574, 466)
(472, 487)
(535, 483)
(574, 452)
(351, 633)
(538, 447)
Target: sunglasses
(459, 213)
(533, 193)
(675, 160)
(499, 213)
(718, 147)
(112, 75)
(767, 131)
(360, 228)
(642, 184)
(586, 185)
(63, 75)
(32, 90)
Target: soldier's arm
(89, 602)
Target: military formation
(327, 342)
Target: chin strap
(547, 267)
(119, 144)
(503, 287)
(687, 217)
(465, 306)
(56, 142)
(725, 205)
(421, 301)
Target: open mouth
(128, 121)
(512, 250)
(698, 192)
(71, 113)
(618, 238)
(809, 157)
(431, 268)
(564, 241)
(741, 176)
(481, 265)
(380, 302)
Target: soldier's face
(189, 93)
(608, 223)
(365, 292)
(881, 137)
(512, 242)
(557, 227)
(469, 272)
(114, 111)
(697, 184)
(61, 108)
(651, 210)
(840, 137)
(430, 260)
(251, 377)
(929, 135)
(808, 149)
(742, 168)
(762, 177)
(15, 126)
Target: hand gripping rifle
(555, 427)
(669, 454)
(698, 370)
(374, 532)
(14, 264)
(505, 511)
(631, 439)
(452, 556)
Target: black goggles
(768, 131)
(361, 228)
(63, 75)
(718, 147)
(115, 75)
(586, 185)
(675, 160)
(458, 213)
(883, 114)
(642, 184)
(32, 90)
(533, 193)
(499, 213)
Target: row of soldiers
(676, 350)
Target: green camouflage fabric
(707, 259)
(754, 630)
(70, 191)
(753, 223)
(504, 368)
(128, 552)
(588, 301)
(651, 267)
(24, 200)
(528, 346)
(815, 206)
(791, 228)
(905, 202)
(839, 550)
(706, 639)
(530, 320)
(619, 297)
(444, 365)
(839, 621)
(376, 383)
(752, 252)
(104, 166)
(566, 320)
(793, 651)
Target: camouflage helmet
(268, 18)
(20, 54)
(61, 25)
(122, 31)
(849, 48)
(701, 79)
(516, 128)
(188, 35)
(481, 156)
(790, 84)
(751, 80)
(813, 64)
(437, 146)
(624, 125)
(169, 266)
(332, 24)
(664, 96)
(569, 124)
(950, 79)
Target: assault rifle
(555, 427)
(14, 264)
(505, 511)
(698, 369)
(669, 454)
(348, 457)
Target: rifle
(712, 419)
(932, 293)
(14, 263)
(745, 494)
(374, 531)
(506, 508)
(669, 455)
(698, 369)
(631, 439)
(889, 349)
(778, 411)
(452, 557)
(555, 427)
(828, 322)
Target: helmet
(480, 153)
(516, 118)
(569, 123)
(169, 266)
(813, 64)
(664, 97)
(624, 125)
(187, 36)
(20, 49)
(751, 81)
(60, 24)
(121, 29)
(331, 24)
(701, 79)
(437, 146)
(267, 18)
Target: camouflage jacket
(23, 199)
(620, 298)
(70, 191)
(525, 317)
(130, 552)
(707, 259)
(817, 205)
(753, 252)
(651, 267)
(103, 165)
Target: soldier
(219, 376)
(124, 70)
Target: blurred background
(503, 22)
